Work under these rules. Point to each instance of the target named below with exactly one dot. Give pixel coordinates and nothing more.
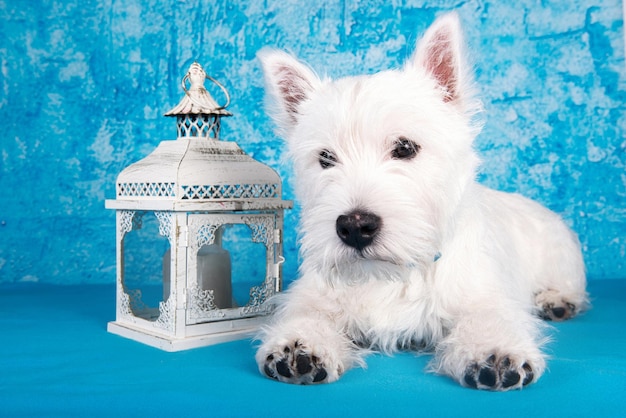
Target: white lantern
(199, 233)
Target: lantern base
(178, 344)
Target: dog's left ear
(440, 53)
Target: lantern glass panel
(229, 268)
(143, 254)
(248, 262)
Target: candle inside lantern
(214, 272)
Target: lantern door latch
(276, 273)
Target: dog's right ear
(288, 83)
(440, 53)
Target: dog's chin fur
(358, 270)
(451, 266)
(350, 266)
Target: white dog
(401, 248)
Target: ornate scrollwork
(125, 302)
(206, 235)
(258, 296)
(166, 315)
(127, 222)
(262, 229)
(201, 304)
(165, 224)
(146, 189)
(230, 191)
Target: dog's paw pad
(497, 373)
(295, 364)
(558, 311)
(554, 306)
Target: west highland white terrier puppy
(401, 248)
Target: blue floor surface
(56, 359)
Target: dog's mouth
(370, 257)
(363, 266)
(374, 257)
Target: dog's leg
(306, 343)
(492, 349)
(549, 254)
(560, 292)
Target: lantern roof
(197, 171)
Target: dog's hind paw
(296, 364)
(498, 374)
(555, 307)
(558, 312)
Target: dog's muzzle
(358, 229)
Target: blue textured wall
(83, 85)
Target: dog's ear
(440, 52)
(289, 83)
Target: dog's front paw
(297, 363)
(498, 373)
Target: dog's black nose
(358, 229)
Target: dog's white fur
(457, 268)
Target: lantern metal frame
(195, 185)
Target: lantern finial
(197, 113)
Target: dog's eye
(404, 149)
(327, 158)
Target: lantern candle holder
(199, 233)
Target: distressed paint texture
(84, 84)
